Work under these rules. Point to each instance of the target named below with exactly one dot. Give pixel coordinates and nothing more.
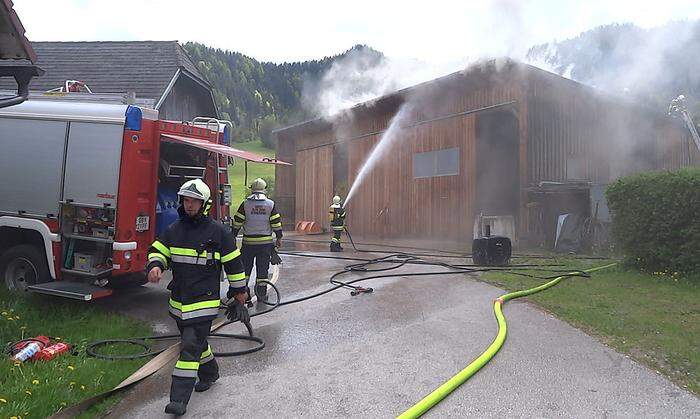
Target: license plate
(142, 222)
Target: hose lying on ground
(450, 385)
(435, 252)
(398, 260)
(363, 266)
(143, 342)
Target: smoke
(363, 75)
(647, 64)
(625, 60)
(639, 67)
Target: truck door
(92, 163)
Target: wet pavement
(375, 355)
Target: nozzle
(361, 290)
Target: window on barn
(436, 163)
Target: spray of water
(380, 149)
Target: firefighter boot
(335, 247)
(261, 292)
(208, 374)
(201, 386)
(176, 408)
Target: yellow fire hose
(450, 385)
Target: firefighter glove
(237, 311)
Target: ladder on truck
(107, 98)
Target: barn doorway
(497, 165)
(340, 170)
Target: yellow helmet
(336, 200)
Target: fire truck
(88, 181)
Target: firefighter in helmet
(257, 216)
(196, 248)
(336, 215)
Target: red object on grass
(51, 352)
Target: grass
(655, 319)
(236, 173)
(41, 388)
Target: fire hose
(91, 348)
(460, 378)
(396, 260)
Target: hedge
(656, 220)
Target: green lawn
(39, 389)
(655, 319)
(236, 173)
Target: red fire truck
(86, 183)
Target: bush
(656, 220)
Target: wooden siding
(392, 203)
(562, 126)
(605, 138)
(314, 184)
(187, 100)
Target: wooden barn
(496, 139)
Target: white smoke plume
(363, 75)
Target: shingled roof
(13, 43)
(144, 67)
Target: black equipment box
(491, 251)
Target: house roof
(13, 43)
(143, 67)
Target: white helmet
(195, 188)
(258, 185)
(336, 200)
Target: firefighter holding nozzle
(336, 215)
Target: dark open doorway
(497, 164)
(340, 170)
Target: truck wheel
(22, 266)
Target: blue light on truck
(133, 118)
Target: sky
(433, 31)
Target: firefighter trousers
(196, 361)
(260, 254)
(335, 240)
(336, 236)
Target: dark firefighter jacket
(336, 215)
(195, 249)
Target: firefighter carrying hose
(258, 218)
(336, 215)
(196, 248)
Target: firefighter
(336, 215)
(258, 218)
(195, 248)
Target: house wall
(187, 100)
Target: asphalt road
(376, 355)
